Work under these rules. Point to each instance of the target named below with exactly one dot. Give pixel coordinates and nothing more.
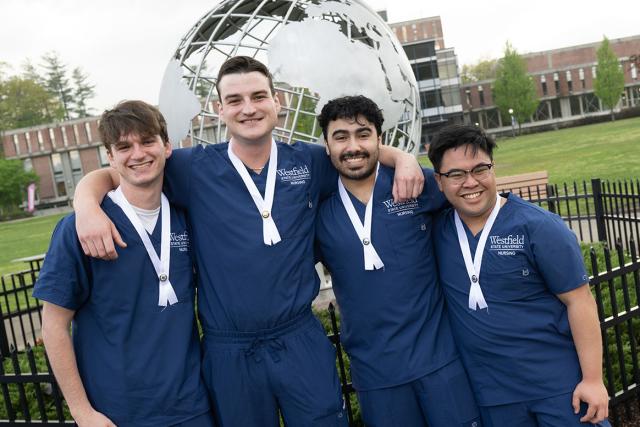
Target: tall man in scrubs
(404, 363)
(252, 204)
(134, 359)
(518, 295)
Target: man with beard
(404, 363)
(252, 205)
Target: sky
(124, 45)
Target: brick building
(564, 83)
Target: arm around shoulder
(408, 180)
(95, 230)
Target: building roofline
(50, 125)
(415, 21)
(581, 46)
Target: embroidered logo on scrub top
(294, 176)
(507, 245)
(180, 241)
(401, 208)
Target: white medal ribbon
(166, 294)
(476, 298)
(371, 259)
(270, 232)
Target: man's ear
(439, 181)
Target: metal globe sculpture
(316, 50)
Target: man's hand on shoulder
(594, 394)
(97, 234)
(93, 418)
(408, 181)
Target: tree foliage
(83, 91)
(13, 183)
(609, 80)
(57, 82)
(484, 69)
(513, 87)
(24, 103)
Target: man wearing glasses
(518, 296)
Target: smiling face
(248, 107)
(353, 146)
(139, 160)
(473, 199)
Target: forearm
(59, 347)
(585, 328)
(93, 187)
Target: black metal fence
(596, 211)
(605, 211)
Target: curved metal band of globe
(370, 61)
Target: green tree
(609, 81)
(514, 88)
(13, 183)
(82, 92)
(24, 103)
(57, 82)
(484, 69)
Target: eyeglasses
(458, 176)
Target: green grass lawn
(23, 238)
(607, 150)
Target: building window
(40, 141)
(481, 94)
(76, 166)
(28, 138)
(543, 84)
(102, 154)
(27, 165)
(634, 71)
(58, 174)
(581, 76)
(87, 129)
(431, 99)
(556, 82)
(16, 144)
(420, 51)
(65, 139)
(52, 137)
(451, 96)
(593, 71)
(569, 82)
(76, 134)
(467, 94)
(425, 70)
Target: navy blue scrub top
(139, 362)
(521, 347)
(394, 324)
(245, 285)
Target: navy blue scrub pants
(291, 368)
(442, 398)
(549, 412)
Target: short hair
(350, 107)
(131, 117)
(455, 136)
(243, 65)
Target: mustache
(352, 154)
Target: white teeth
(471, 195)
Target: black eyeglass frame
(467, 172)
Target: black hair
(454, 136)
(350, 107)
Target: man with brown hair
(134, 357)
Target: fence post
(596, 189)
(551, 194)
(4, 341)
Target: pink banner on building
(31, 197)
